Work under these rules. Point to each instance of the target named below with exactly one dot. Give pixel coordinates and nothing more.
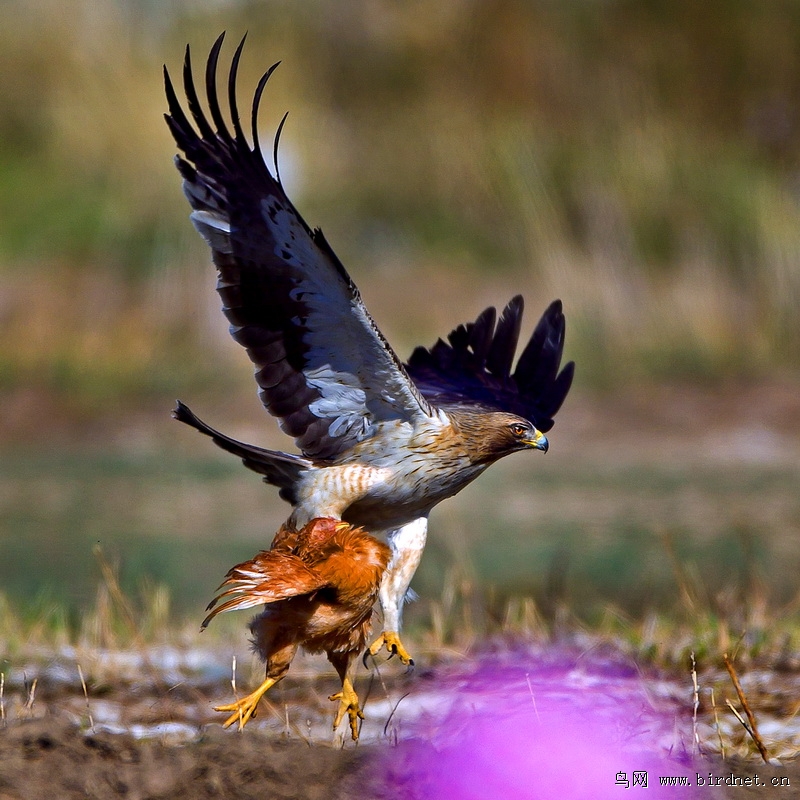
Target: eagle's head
(490, 435)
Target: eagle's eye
(518, 429)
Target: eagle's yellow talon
(391, 641)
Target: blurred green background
(637, 159)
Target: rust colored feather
(318, 585)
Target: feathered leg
(407, 544)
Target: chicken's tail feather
(271, 576)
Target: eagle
(381, 442)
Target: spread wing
(322, 366)
(474, 366)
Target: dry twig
(533, 697)
(86, 696)
(716, 725)
(30, 691)
(751, 728)
(695, 702)
(235, 693)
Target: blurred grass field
(639, 160)
(640, 164)
(585, 528)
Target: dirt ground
(49, 758)
(524, 723)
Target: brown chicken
(318, 585)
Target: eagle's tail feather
(283, 470)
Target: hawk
(381, 442)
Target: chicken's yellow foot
(391, 641)
(348, 704)
(246, 707)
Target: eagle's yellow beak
(538, 441)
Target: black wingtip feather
(474, 366)
(178, 123)
(262, 83)
(234, 71)
(275, 148)
(480, 334)
(192, 100)
(506, 336)
(211, 89)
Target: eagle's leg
(277, 666)
(348, 699)
(407, 544)
(391, 641)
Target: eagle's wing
(474, 366)
(323, 367)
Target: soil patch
(527, 724)
(51, 758)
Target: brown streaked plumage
(318, 585)
(381, 442)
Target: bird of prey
(318, 586)
(381, 442)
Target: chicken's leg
(278, 662)
(245, 708)
(348, 699)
